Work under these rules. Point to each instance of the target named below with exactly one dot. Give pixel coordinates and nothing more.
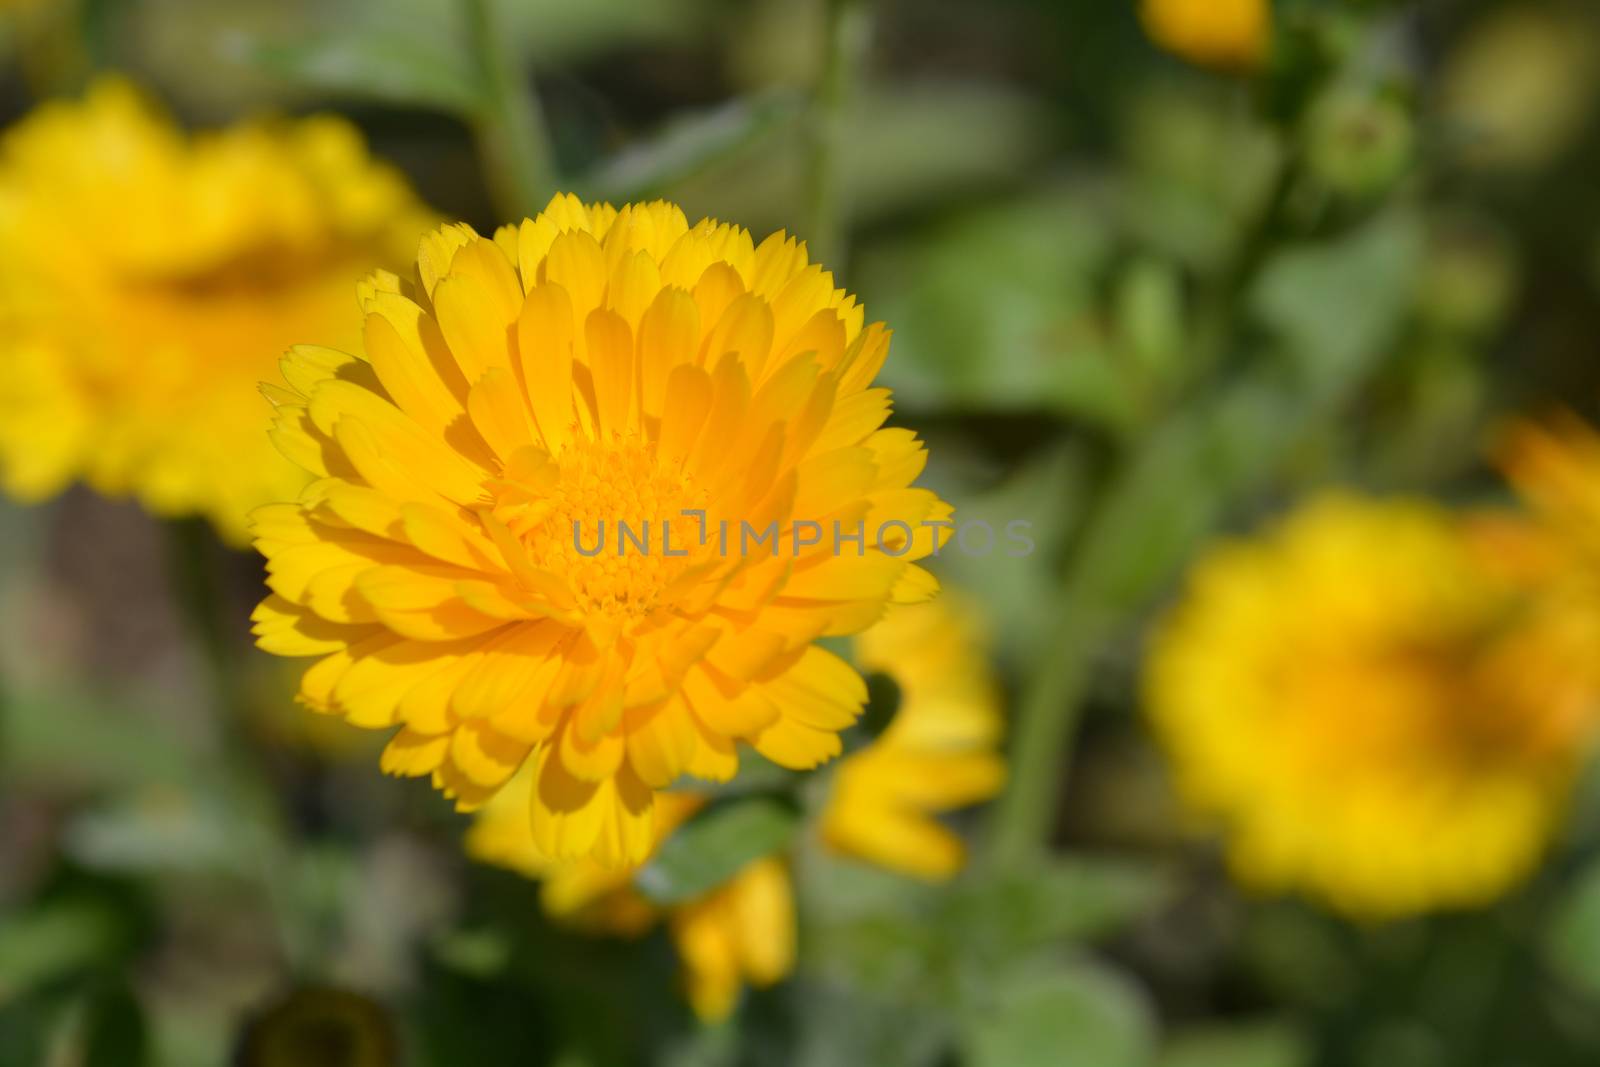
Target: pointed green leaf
(714, 846)
(393, 68)
(1080, 1015)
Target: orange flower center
(612, 524)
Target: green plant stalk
(849, 30)
(1132, 544)
(510, 127)
(1091, 611)
(1046, 721)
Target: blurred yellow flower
(741, 932)
(462, 564)
(150, 280)
(1376, 704)
(939, 753)
(1555, 468)
(1229, 34)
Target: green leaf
(1169, 495)
(997, 309)
(1198, 173)
(482, 953)
(1046, 493)
(1081, 1015)
(714, 846)
(560, 32)
(1150, 318)
(1572, 939)
(1262, 1044)
(904, 164)
(1336, 307)
(395, 68)
(1299, 955)
(688, 145)
(1004, 916)
(53, 941)
(867, 1024)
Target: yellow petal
(577, 264)
(500, 412)
(635, 281)
(745, 329)
(485, 757)
(669, 335)
(661, 742)
(470, 319)
(544, 345)
(410, 754)
(610, 346)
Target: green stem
(1091, 611)
(849, 29)
(510, 125)
(1046, 721)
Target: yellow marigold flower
(524, 407)
(1230, 34)
(741, 932)
(939, 753)
(150, 280)
(1375, 704)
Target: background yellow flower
(1212, 33)
(1555, 466)
(523, 398)
(149, 280)
(1372, 710)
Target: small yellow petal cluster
(939, 753)
(587, 499)
(1555, 468)
(1377, 703)
(740, 933)
(1227, 34)
(149, 280)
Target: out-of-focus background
(1147, 290)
